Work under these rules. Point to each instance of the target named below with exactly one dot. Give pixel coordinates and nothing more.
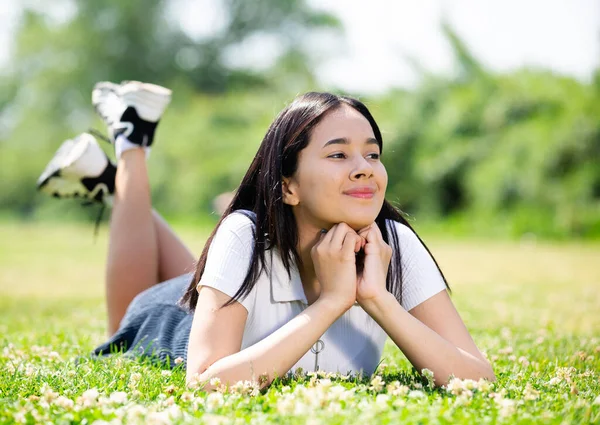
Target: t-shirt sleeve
(421, 278)
(229, 258)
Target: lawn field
(532, 307)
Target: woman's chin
(358, 223)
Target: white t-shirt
(354, 342)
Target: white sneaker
(132, 109)
(79, 169)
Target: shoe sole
(67, 153)
(149, 100)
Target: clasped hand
(335, 257)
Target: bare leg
(132, 264)
(174, 258)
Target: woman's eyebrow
(344, 141)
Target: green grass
(533, 308)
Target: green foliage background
(502, 154)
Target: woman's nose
(362, 168)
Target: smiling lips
(361, 192)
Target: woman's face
(340, 177)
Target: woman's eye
(342, 155)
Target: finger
(348, 244)
(339, 235)
(378, 234)
(364, 229)
(328, 234)
(358, 244)
(378, 237)
(365, 235)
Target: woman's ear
(288, 190)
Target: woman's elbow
(198, 377)
(486, 373)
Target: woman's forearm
(275, 355)
(423, 347)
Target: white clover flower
(302, 409)
(251, 388)
(170, 389)
(348, 394)
(416, 394)
(174, 411)
(324, 383)
(285, 389)
(554, 381)
(455, 386)
(382, 400)
(286, 405)
(463, 399)
(165, 373)
(484, 386)
(530, 393)
(20, 417)
(399, 402)
(214, 401)
(335, 391)
(428, 374)
(54, 356)
(135, 412)
(313, 397)
(88, 398)
(507, 407)
(187, 396)
(30, 370)
(158, 418)
(118, 397)
(48, 395)
(396, 389)
(334, 407)
(64, 402)
(596, 401)
(377, 383)
(469, 384)
(194, 381)
(179, 360)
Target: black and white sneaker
(131, 109)
(79, 169)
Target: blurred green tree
(520, 150)
(45, 91)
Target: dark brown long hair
(261, 192)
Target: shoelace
(99, 217)
(99, 135)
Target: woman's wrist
(378, 303)
(334, 302)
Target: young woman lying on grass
(308, 267)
